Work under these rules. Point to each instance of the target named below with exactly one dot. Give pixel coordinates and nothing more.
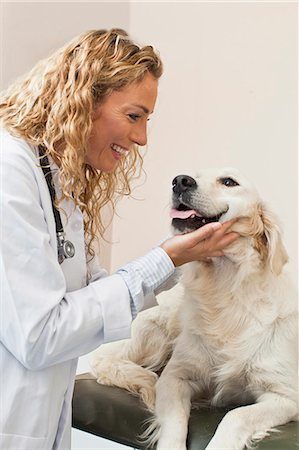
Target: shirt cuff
(145, 274)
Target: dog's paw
(146, 389)
(127, 375)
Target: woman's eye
(229, 182)
(134, 117)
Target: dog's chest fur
(230, 321)
(222, 310)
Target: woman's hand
(207, 241)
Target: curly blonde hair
(52, 106)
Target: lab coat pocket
(18, 442)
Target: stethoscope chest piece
(66, 249)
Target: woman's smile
(119, 151)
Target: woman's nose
(139, 134)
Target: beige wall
(32, 30)
(228, 97)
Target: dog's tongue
(176, 214)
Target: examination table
(117, 415)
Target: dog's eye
(229, 182)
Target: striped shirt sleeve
(145, 274)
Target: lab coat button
(77, 226)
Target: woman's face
(119, 122)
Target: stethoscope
(65, 248)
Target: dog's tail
(152, 432)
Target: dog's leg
(186, 373)
(174, 391)
(244, 425)
(130, 364)
(173, 402)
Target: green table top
(115, 414)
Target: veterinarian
(69, 145)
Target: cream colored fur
(228, 332)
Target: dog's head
(222, 194)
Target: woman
(78, 116)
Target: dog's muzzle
(184, 216)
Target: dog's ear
(268, 239)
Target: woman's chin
(106, 167)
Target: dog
(226, 334)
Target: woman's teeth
(118, 149)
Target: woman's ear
(269, 240)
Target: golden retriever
(227, 334)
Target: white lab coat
(49, 317)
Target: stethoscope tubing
(65, 248)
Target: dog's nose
(183, 183)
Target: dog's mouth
(184, 218)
